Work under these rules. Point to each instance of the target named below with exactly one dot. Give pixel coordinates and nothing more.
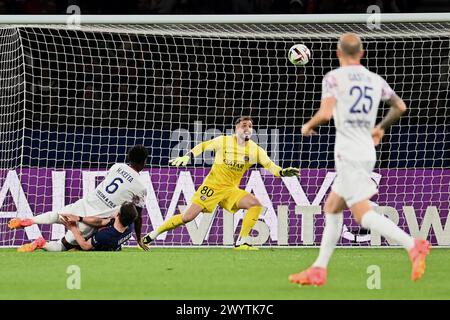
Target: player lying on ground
(121, 184)
(352, 94)
(109, 234)
(234, 155)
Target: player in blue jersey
(111, 233)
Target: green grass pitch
(217, 273)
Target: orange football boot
(417, 256)
(39, 243)
(18, 223)
(316, 276)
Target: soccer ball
(299, 54)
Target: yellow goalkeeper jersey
(232, 160)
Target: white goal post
(74, 97)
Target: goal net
(74, 100)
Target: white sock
(54, 246)
(379, 223)
(46, 218)
(241, 240)
(153, 234)
(331, 235)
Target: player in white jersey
(121, 184)
(351, 95)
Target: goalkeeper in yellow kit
(234, 155)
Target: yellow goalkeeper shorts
(209, 197)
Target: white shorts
(82, 209)
(353, 181)
(85, 230)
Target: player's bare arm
(322, 116)
(138, 229)
(122, 184)
(398, 107)
(277, 171)
(95, 222)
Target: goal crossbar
(229, 19)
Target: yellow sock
(249, 220)
(170, 224)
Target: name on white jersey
(125, 174)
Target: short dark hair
(243, 118)
(138, 154)
(127, 213)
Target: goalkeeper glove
(289, 172)
(180, 161)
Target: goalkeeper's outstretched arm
(269, 165)
(138, 229)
